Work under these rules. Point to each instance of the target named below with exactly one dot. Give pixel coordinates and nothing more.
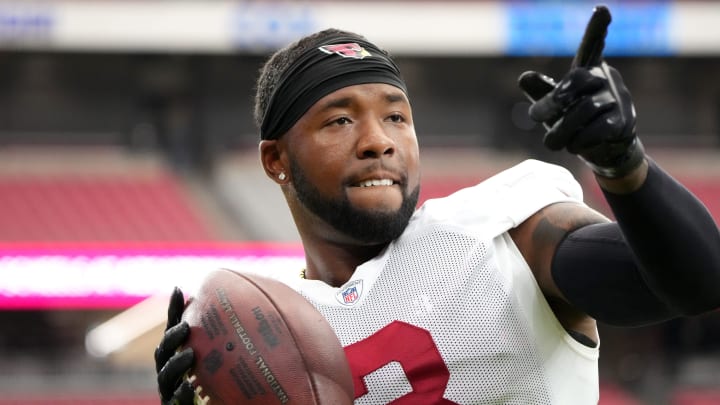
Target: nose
(374, 142)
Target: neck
(330, 256)
(334, 264)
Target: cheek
(411, 156)
(324, 169)
(320, 160)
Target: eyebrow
(337, 103)
(395, 98)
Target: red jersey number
(414, 349)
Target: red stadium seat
(97, 208)
(81, 399)
(611, 394)
(698, 396)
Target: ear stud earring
(282, 176)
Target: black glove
(172, 366)
(589, 112)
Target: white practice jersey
(451, 313)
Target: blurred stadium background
(128, 162)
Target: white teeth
(370, 183)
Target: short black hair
(278, 62)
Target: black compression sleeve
(675, 240)
(665, 262)
(595, 270)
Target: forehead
(374, 92)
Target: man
(490, 295)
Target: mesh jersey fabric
(451, 313)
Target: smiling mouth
(375, 183)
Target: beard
(365, 226)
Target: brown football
(258, 341)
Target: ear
(271, 157)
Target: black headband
(320, 70)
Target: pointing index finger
(589, 52)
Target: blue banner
(541, 28)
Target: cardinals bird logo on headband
(351, 50)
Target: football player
(489, 295)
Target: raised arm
(661, 259)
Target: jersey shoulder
(502, 201)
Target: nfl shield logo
(350, 293)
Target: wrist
(624, 163)
(626, 184)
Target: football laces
(199, 398)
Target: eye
(397, 118)
(340, 121)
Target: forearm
(671, 234)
